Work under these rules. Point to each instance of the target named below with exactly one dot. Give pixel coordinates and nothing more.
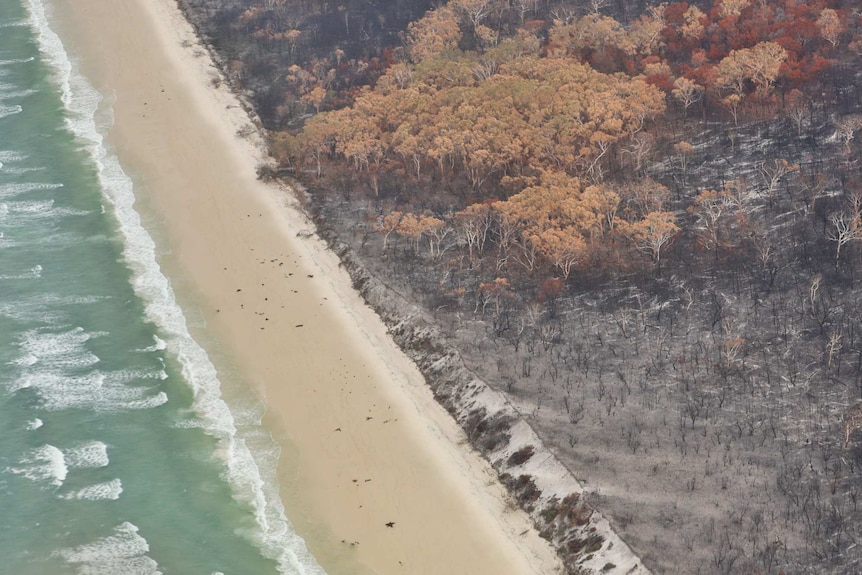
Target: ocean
(118, 454)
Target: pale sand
(398, 457)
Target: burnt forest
(639, 222)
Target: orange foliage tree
(561, 218)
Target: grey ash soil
(534, 477)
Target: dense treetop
(529, 117)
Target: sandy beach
(363, 442)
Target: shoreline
(363, 441)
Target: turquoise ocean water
(117, 454)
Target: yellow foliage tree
(692, 26)
(760, 64)
(653, 234)
(687, 92)
(831, 26)
(432, 34)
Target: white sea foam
(35, 210)
(192, 423)
(25, 310)
(14, 94)
(46, 309)
(11, 156)
(8, 164)
(58, 350)
(10, 110)
(24, 360)
(158, 345)
(10, 191)
(90, 454)
(30, 207)
(123, 552)
(132, 375)
(277, 538)
(45, 465)
(16, 60)
(93, 391)
(76, 300)
(22, 170)
(34, 424)
(33, 273)
(60, 368)
(107, 490)
(50, 465)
